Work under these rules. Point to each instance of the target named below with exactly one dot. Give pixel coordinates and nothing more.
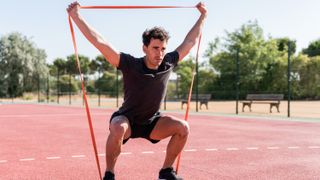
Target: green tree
(207, 78)
(282, 44)
(72, 66)
(68, 85)
(184, 73)
(257, 56)
(59, 65)
(313, 49)
(310, 78)
(298, 66)
(101, 64)
(106, 81)
(73, 70)
(21, 62)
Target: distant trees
(98, 74)
(263, 63)
(313, 49)
(21, 64)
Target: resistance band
(93, 139)
(189, 97)
(81, 77)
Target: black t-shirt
(144, 88)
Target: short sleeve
(126, 61)
(172, 58)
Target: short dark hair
(155, 33)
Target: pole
(165, 102)
(289, 79)
(197, 84)
(117, 88)
(48, 86)
(58, 87)
(99, 91)
(69, 88)
(177, 86)
(237, 81)
(84, 89)
(38, 88)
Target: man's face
(155, 52)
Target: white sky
(45, 22)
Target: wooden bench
(202, 98)
(272, 99)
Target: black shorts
(139, 130)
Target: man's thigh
(168, 126)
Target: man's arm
(112, 55)
(194, 34)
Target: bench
(272, 99)
(202, 98)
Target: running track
(53, 142)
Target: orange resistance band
(189, 97)
(81, 77)
(85, 98)
(134, 7)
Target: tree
(60, 66)
(310, 78)
(184, 73)
(207, 78)
(313, 49)
(67, 85)
(21, 63)
(282, 44)
(107, 82)
(100, 64)
(72, 66)
(257, 57)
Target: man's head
(154, 33)
(154, 45)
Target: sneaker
(168, 174)
(108, 176)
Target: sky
(46, 24)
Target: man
(145, 81)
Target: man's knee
(183, 128)
(119, 125)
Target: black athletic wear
(144, 88)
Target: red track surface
(53, 142)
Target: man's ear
(144, 48)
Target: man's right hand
(73, 9)
(202, 9)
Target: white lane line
(46, 115)
(147, 152)
(293, 147)
(78, 156)
(101, 155)
(273, 147)
(27, 159)
(53, 157)
(190, 150)
(152, 152)
(314, 147)
(212, 149)
(252, 148)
